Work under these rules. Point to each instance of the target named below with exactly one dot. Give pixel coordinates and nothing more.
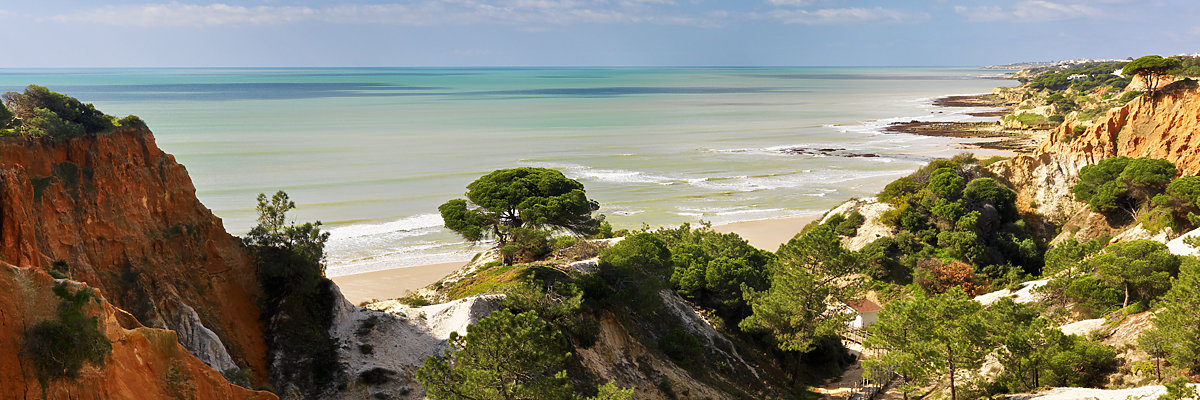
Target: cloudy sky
(148, 33)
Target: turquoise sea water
(373, 152)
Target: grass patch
(489, 280)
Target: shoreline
(766, 234)
(989, 135)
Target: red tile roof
(864, 305)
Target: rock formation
(145, 363)
(123, 217)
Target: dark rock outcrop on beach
(824, 152)
(116, 212)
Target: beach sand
(768, 234)
(392, 283)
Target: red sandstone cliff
(145, 363)
(124, 215)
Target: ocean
(372, 152)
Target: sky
(365, 33)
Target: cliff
(144, 362)
(123, 217)
(1166, 127)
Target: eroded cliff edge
(123, 217)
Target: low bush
(59, 348)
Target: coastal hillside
(93, 199)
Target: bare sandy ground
(768, 234)
(393, 283)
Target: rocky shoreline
(1007, 139)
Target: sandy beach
(392, 283)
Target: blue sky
(150, 33)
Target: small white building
(866, 313)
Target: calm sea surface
(373, 152)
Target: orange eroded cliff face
(145, 363)
(124, 216)
(1167, 128)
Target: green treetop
(505, 200)
(814, 275)
(1142, 268)
(1150, 69)
(1122, 183)
(506, 356)
(1177, 326)
(39, 112)
(928, 335)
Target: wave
(407, 224)
(575, 171)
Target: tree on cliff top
(1150, 69)
(505, 200)
(39, 112)
(305, 240)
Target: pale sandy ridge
(765, 234)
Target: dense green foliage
(502, 202)
(1087, 77)
(298, 301)
(1122, 183)
(1178, 323)
(1097, 282)
(814, 274)
(716, 270)
(58, 348)
(503, 356)
(927, 336)
(1036, 354)
(949, 210)
(1141, 268)
(39, 112)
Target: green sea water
(372, 152)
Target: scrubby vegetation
(956, 227)
(506, 356)
(297, 305)
(58, 348)
(1142, 189)
(39, 112)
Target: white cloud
(1032, 11)
(530, 14)
(845, 15)
(790, 2)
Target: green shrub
(849, 226)
(682, 347)
(1128, 96)
(527, 245)
(59, 348)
